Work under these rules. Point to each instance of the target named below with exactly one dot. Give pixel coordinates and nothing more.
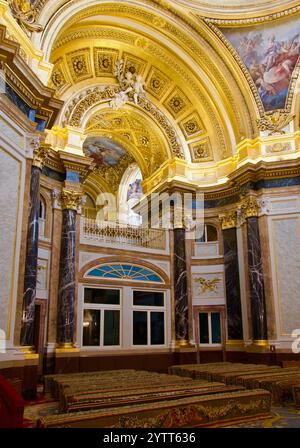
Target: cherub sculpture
(131, 85)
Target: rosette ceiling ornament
(131, 86)
(25, 13)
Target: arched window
(42, 217)
(139, 308)
(125, 272)
(42, 208)
(210, 234)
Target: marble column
(232, 281)
(256, 274)
(30, 276)
(31, 260)
(180, 288)
(67, 273)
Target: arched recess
(80, 109)
(122, 259)
(217, 87)
(132, 128)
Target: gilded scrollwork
(25, 13)
(274, 123)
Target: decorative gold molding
(251, 20)
(25, 82)
(66, 347)
(275, 122)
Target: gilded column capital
(40, 154)
(228, 220)
(71, 199)
(249, 207)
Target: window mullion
(149, 327)
(209, 328)
(101, 329)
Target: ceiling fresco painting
(110, 157)
(270, 53)
(104, 151)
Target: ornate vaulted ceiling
(205, 98)
(182, 80)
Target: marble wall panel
(286, 240)
(10, 179)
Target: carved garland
(91, 97)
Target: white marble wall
(284, 235)
(287, 259)
(10, 177)
(16, 133)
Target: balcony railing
(115, 233)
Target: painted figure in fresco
(270, 56)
